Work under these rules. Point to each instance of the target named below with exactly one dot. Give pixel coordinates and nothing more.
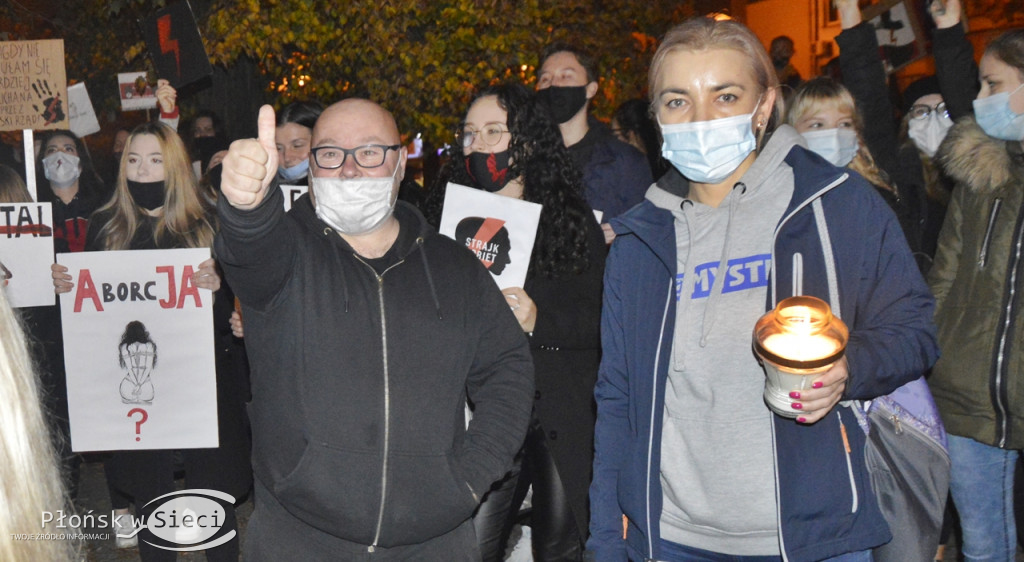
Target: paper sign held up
(135, 91)
(175, 45)
(499, 230)
(33, 85)
(83, 116)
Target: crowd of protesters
(379, 397)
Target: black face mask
(488, 170)
(148, 195)
(563, 101)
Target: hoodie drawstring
(718, 282)
(341, 270)
(430, 278)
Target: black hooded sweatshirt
(359, 378)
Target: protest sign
(135, 91)
(175, 46)
(26, 252)
(139, 351)
(499, 230)
(83, 117)
(33, 86)
(292, 194)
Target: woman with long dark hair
(508, 145)
(68, 179)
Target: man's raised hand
(251, 164)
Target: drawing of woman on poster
(137, 356)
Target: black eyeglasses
(920, 111)
(491, 134)
(367, 156)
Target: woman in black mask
(508, 145)
(157, 204)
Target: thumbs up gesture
(251, 164)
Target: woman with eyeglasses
(905, 149)
(509, 146)
(978, 382)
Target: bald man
(366, 332)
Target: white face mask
(709, 151)
(354, 206)
(61, 169)
(928, 133)
(838, 146)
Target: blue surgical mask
(708, 151)
(295, 172)
(838, 146)
(995, 117)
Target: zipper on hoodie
(387, 397)
(983, 254)
(998, 383)
(849, 462)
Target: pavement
(100, 547)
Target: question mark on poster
(139, 422)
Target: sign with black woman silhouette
(499, 230)
(139, 351)
(33, 86)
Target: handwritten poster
(135, 91)
(139, 351)
(292, 194)
(33, 86)
(82, 115)
(26, 252)
(499, 230)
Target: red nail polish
(797, 405)
(801, 419)
(817, 384)
(794, 395)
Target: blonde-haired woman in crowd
(12, 187)
(825, 113)
(157, 204)
(690, 464)
(156, 201)
(30, 484)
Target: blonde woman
(690, 464)
(12, 187)
(157, 204)
(31, 482)
(825, 113)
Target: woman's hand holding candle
(827, 390)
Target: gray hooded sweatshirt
(717, 460)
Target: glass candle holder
(795, 342)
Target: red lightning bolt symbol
(167, 45)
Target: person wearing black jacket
(366, 332)
(510, 147)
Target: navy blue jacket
(854, 256)
(615, 175)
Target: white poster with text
(499, 230)
(139, 351)
(26, 252)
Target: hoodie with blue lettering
(686, 449)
